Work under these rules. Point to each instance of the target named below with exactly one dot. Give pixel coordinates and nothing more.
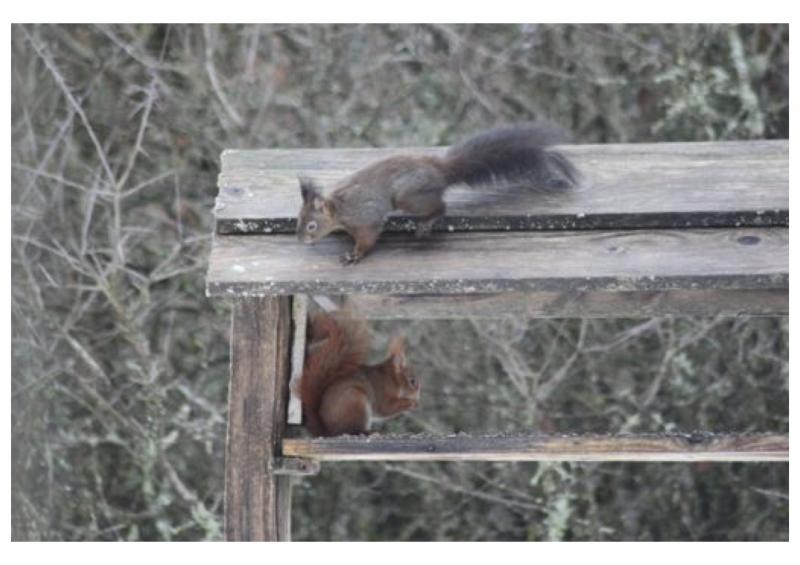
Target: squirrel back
(337, 349)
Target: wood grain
(468, 263)
(595, 447)
(577, 304)
(706, 184)
(257, 503)
(294, 411)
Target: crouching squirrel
(359, 203)
(340, 394)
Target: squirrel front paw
(424, 230)
(349, 258)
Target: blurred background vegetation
(120, 363)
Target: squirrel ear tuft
(328, 206)
(307, 188)
(397, 351)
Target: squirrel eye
(311, 226)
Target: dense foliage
(120, 362)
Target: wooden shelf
(594, 447)
(472, 263)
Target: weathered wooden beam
(644, 185)
(633, 447)
(470, 263)
(299, 319)
(294, 466)
(257, 502)
(579, 304)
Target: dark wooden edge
(594, 447)
(457, 286)
(589, 221)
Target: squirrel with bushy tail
(342, 394)
(359, 203)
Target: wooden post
(257, 502)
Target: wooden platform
(653, 229)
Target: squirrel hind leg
(425, 224)
(427, 205)
(348, 413)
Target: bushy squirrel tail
(337, 348)
(510, 153)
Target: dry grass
(120, 363)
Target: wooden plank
(595, 447)
(328, 303)
(295, 467)
(591, 304)
(468, 263)
(294, 412)
(647, 185)
(257, 503)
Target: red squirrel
(340, 394)
(359, 203)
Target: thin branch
(212, 77)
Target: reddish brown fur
(337, 349)
(340, 394)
